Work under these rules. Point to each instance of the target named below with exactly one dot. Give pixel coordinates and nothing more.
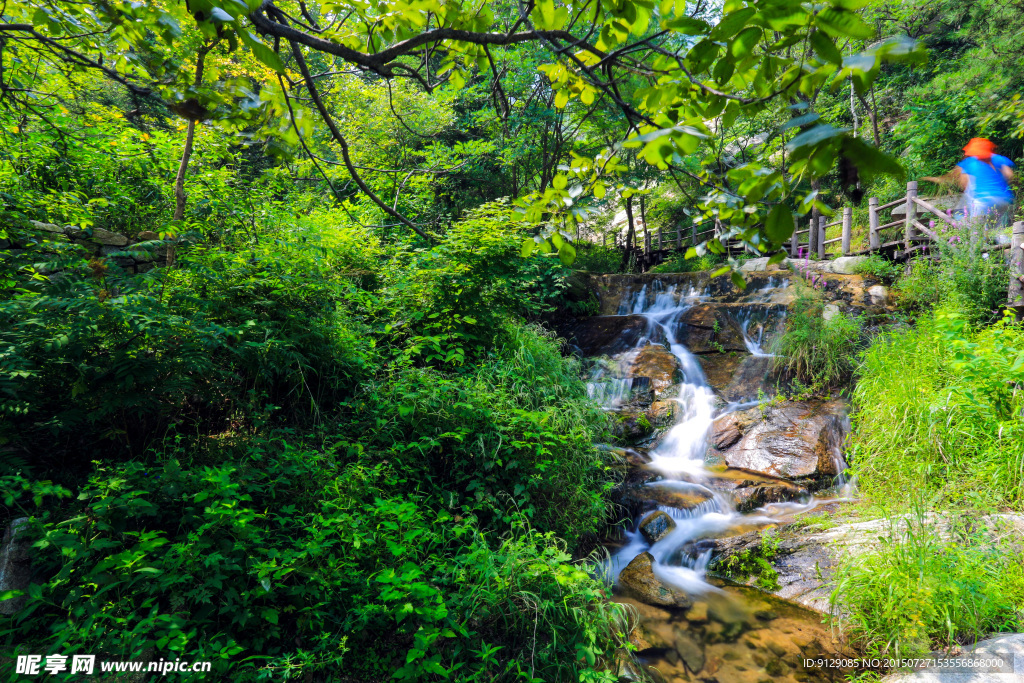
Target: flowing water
(748, 635)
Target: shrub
(813, 349)
(928, 588)
(680, 264)
(287, 563)
(876, 266)
(937, 409)
(596, 258)
(965, 275)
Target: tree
(700, 71)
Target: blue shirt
(986, 180)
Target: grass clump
(964, 274)
(876, 266)
(814, 349)
(938, 409)
(931, 585)
(756, 562)
(680, 264)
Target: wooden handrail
(890, 225)
(935, 210)
(922, 228)
(833, 240)
(832, 225)
(883, 207)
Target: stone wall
(135, 255)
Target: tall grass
(815, 350)
(932, 584)
(939, 409)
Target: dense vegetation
(329, 435)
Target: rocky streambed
(735, 490)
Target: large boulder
(634, 423)
(15, 566)
(797, 440)
(657, 363)
(656, 526)
(605, 334)
(637, 580)
(720, 368)
(708, 327)
(753, 377)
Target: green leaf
(800, 121)
(744, 43)
(527, 248)
(220, 16)
(702, 54)
(841, 23)
(688, 26)
(262, 52)
(732, 23)
(870, 161)
(825, 48)
(737, 279)
(567, 254)
(819, 133)
(779, 226)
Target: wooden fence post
(847, 229)
(679, 236)
(1016, 293)
(812, 238)
(693, 233)
(661, 243)
(821, 237)
(794, 244)
(874, 239)
(647, 242)
(909, 231)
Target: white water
(680, 454)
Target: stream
(725, 632)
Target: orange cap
(980, 147)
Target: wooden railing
(902, 237)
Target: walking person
(984, 177)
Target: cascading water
(680, 455)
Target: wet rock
(830, 311)
(659, 364)
(15, 566)
(800, 440)
(748, 498)
(878, 295)
(641, 391)
(752, 378)
(147, 236)
(605, 334)
(690, 651)
(656, 526)
(720, 368)
(632, 424)
(638, 581)
(698, 614)
(676, 494)
(847, 265)
(707, 328)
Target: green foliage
(928, 587)
(595, 258)
(876, 266)
(966, 275)
(680, 264)
(937, 411)
(813, 349)
(288, 562)
(755, 562)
